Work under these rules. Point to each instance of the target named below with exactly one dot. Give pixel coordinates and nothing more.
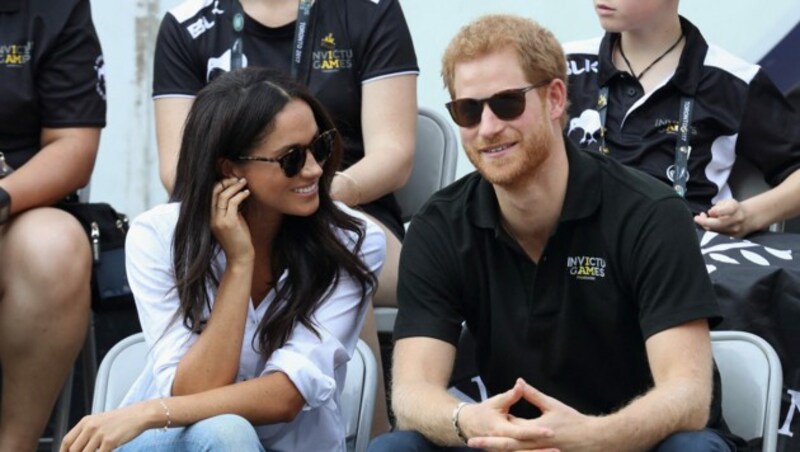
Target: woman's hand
(727, 217)
(227, 223)
(107, 431)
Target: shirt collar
(581, 200)
(10, 6)
(687, 76)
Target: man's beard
(533, 149)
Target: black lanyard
(682, 148)
(302, 30)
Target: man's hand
(560, 427)
(489, 425)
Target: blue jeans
(701, 441)
(218, 433)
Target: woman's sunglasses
(294, 159)
(506, 105)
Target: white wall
(126, 174)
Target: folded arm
(388, 121)
(62, 166)
(681, 364)
(740, 218)
(171, 114)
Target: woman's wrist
(352, 194)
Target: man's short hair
(539, 53)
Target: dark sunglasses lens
(507, 105)
(293, 161)
(466, 112)
(322, 147)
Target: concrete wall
(126, 174)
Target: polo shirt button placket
(632, 91)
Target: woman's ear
(228, 169)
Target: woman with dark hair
(251, 285)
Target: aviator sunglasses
(506, 105)
(294, 159)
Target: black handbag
(106, 229)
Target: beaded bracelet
(454, 420)
(166, 411)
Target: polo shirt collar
(687, 76)
(10, 6)
(581, 200)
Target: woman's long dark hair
(229, 117)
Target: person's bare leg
(45, 269)
(386, 296)
(369, 334)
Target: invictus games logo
(586, 267)
(331, 59)
(12, 55)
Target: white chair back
(752, 381)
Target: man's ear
(228, 169)
(557, 99)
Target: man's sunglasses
(294, 159)
(506, 105)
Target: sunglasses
(506, 105)
(294, 159)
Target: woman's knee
(225, 432)
(49, 248)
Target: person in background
(563, 264)
(683, 111)
(356, 57)
(250, 305)
(52, 86)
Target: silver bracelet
(454, 420)
(166, 411)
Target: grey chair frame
(752, 382)
(435, 160)
(126, 360)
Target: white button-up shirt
(316, 365)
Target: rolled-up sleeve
(310, 361)
(148, 258)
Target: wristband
(454, 420)
(5, 205)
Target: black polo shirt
(737, 112)
(350, 43)
(51, 72)
(622, 265)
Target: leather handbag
(105, 229)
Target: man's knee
(408, 441)
(405, 440)
(701, 441)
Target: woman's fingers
(224, 190)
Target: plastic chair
(435, 159)
(752, 381)
(126, 360)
